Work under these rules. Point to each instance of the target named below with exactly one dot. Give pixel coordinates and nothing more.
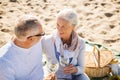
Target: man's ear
(30, 38)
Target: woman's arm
(81, 58)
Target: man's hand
(51, 76)
(70, 69)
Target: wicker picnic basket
(98, 69)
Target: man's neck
(22, 44)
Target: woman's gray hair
(26, 26)
(69, 15)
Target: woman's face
(64, 28)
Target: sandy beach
(99, 20)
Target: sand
(99, 20)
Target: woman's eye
(57, 24)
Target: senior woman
(66, 48)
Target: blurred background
(98, 20)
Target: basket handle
(97, 59)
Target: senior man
(21, 58)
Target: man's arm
(6, 72)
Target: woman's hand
(70, 69)
(51, 76)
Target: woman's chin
(62, 36)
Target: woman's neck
(67, 40)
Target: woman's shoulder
(47, 40)
(47, 37)
(81, 40)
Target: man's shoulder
(5, 49)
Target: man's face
(33, 39)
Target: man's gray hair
(26, 26)
(69, 15)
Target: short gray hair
(26, 26)
(69, 15)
